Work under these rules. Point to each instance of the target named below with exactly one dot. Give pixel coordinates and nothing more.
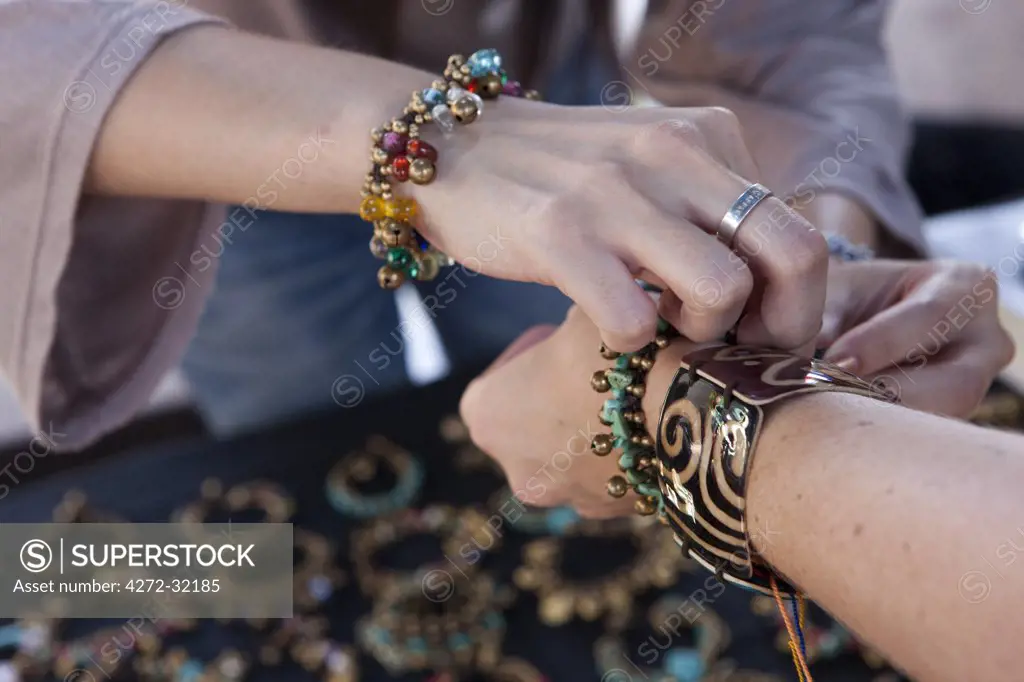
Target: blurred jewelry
(74, 508)
(533, 520)
(229, 666)
(136, 642)
(509, 669)
(823, 641)
(753, 195)
(33, 642)
(462, 533)
(316, 575)
(289, 632)
(657, 563)
(468, 457)
(363, 466)
(436, 624)
(727, 671)
(305, 640)
(679, 662)
(334, 662)
(264, 496)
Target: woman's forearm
(905, 526)
(226, 116)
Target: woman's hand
(535, 413)
(928, 330)
(587, 200)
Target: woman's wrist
(221, 115)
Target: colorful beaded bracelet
(400, 154)
(624, 413)
(364, 465)
(412, 628)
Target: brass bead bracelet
(416, 626)
(462, 531)
(624, 413)
(362, 466)
(276, 505)
(657, 564)
(400, 154)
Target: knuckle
(557, 227)
(632, 336)
(739, 288)
(666, 139)
(809, 255)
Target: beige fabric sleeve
(88, 325)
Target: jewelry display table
(700, 631)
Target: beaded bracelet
(400, 154)
(843, 249)
(657, 563)
(458, 529)
(624, 413)
(362, 466)
(411, 628)
(267, 497)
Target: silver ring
(741, 208)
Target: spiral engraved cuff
(707, 433)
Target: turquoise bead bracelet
(623, 412)
(346, 498)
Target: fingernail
(849, 364)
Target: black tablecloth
(148, 485)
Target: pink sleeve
(809, 82)
(89, 327)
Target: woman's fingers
(935, 314)
(788, 258)
(604, 288)
(952, 383)
(705, 286)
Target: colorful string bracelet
(399, 154)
